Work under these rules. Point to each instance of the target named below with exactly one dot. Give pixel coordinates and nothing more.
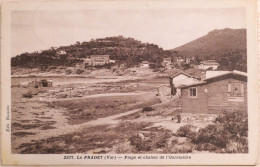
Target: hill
(226, 46)
(128, 51)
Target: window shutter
(229, 89)
(242, 89)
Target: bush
(139, 144)
(68, 71)
(212, 134)
(227, 134)
(147, 109)
(79, 71)
(29, 94)
(228, 128)
(186, 131)
(236, 123)
(60, 96)
(206, 147)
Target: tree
(173, 89)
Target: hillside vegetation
(226, 46)
(125, 50)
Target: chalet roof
(193, 72)
(196, 73)
(181, 73)
(235, 72)
(191, 85)
(210, 74)
(145, 62)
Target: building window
(193, 92)
(235, 92)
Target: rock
(47, 146)
(62, 144)
(182, 140)
(75, 138)
(159, 150)
(71, 147)
(100, 150)
(141, 135)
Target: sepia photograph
(103, 81)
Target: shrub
(79, 71)
(60, 96)
(227, 134)
(186, 131)
(212, 134)
(139, 144)
(160, 140)
(236, 123)
(206, 147)
(228, 128)
(68, 71)
(147, 109)
(28, 94)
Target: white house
(145, 64)
(180, 59)
(167, 61)
(209, 64)
(61, 52)
(181, 79)
(112, 61)
(187, 60)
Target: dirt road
(99, 95)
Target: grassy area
(124, 138)
(79, 111)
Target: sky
(168, 28)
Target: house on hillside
(181, 79)
(95, 60)
(167, 63)
(61, 52)
(188, 60)
(145, 64)
(99, 59)
(180, 59)
(217, 92)
(208, 64)
(112, 61)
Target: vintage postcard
(129, 82)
